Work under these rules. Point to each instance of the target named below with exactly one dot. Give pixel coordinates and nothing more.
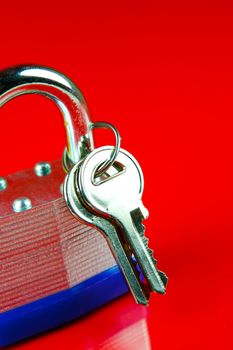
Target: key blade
(163, 277)
(114, 200)
(106, 228)
(123, 256)
(134, 232)
(138, 217)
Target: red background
(162, 73)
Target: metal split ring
(109, 162)
(68, 164)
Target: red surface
(163, 75)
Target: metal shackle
(32, 79)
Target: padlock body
(52, 267)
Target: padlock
(53, 268)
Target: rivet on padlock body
(3, 184)
(21, 204)
(43, 168)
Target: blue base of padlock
(52, 311)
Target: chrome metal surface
(62, 188)
(33, 79)
(67, 162)
(43, 168)
(119, 198)
(76, 205)
(126, 187)
(21, 204)
(108, 162)
(3, 184)
(40, 190)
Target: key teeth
(143, 229)
(146, 243)
(138, 217)
(151, 252)
(162, 275)
(164, 278)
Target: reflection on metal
(43, 169)
(22, 204)
(25, 183)
(3, 184)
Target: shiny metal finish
(118, 198)
(113, 204)
(43, 168)
(76, 205)
(62, 189)
(3, 184)
(67, 163)
(25, 183)
(56, 86)
(22, 204)
(126, 187)
(109, 161)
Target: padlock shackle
(34, 79)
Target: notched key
(116, 241)
(137, 218)
(119, 200)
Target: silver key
(116, 195)
(123, 256)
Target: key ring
(109, 162)
(67, 163)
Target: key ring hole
(116, 169)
